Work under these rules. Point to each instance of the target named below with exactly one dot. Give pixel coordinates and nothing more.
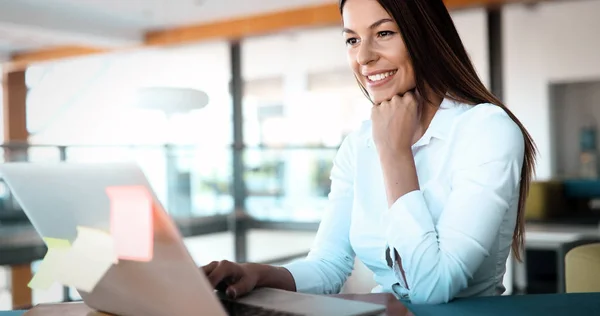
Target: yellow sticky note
(46, 274)
(88, 260)
(56, 243)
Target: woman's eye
(385, 33)
(351, 41)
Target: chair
(582, 268)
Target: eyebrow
(374, 25)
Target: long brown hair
(442, 64)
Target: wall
(546, 43)
(472, 28)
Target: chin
(381, 97)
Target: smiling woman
(429, 193)
(371, 35)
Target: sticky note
(55, 243)
(46, 274)
(88, 259)
(131, 222)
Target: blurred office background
(246, 177)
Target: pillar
(15, 139)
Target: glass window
(262, 110)
(90, 103)
(300, 101)
(95, 96)
(1, 107)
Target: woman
(429, 194)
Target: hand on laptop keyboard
(232, 278)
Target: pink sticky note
(131, 222)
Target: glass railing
(287, 184)
(282, 184)
(189, 181)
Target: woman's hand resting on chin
(395, 122)
(396, 126)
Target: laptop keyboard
(234, 308)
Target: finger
(219, 273)
(225, 283)
(397, 100)
(207, 269)
(409, 95)
(240, 288)
(374, 112)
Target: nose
(366, 54)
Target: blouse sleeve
(331, 258)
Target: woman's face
(376, 51)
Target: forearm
(274, 277)
(399, 174)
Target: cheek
(402, 60)
(354, 66)
(407, 71)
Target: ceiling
(35, 24)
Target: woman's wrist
(273, 277)
(399, 173)
(392, 157)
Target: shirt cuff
(304, 276)
(390, 257)
(406, 223)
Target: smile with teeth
(381, 76)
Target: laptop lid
(58, 197)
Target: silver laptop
(58, 197)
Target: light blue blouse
(453, 235)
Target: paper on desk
(46, 274)
(131, 222)
(88, 260)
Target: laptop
(58, 197)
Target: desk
(576, 304)
(392, 305)
(514, 305)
